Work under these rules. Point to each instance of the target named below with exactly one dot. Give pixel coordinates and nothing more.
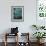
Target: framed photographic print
(41, 12)
(17, 13)
(41, 8)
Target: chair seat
(9, 34)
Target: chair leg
(5, 39)
(17, 39)
(5, 43)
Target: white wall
(29, 15)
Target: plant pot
(40, 41)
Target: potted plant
(35, 26)
(38, 27)
(42, 27)
(39, 35)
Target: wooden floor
(13, 44)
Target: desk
(8, 34)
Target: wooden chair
(27, 37)
(7, 34)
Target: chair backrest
(14, 30)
